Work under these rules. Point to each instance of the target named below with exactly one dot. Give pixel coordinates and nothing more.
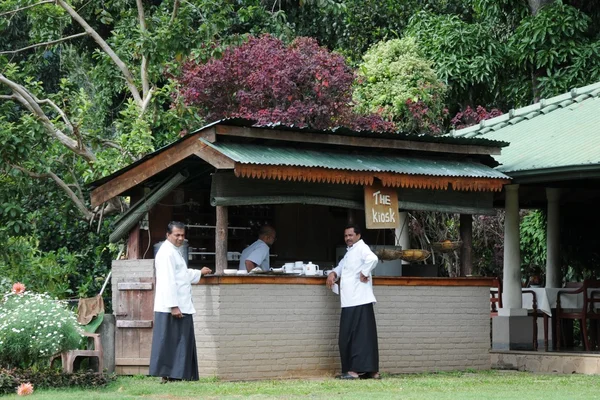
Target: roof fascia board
(146, 169)
(340, 140)
(555, 174)
(213, 156)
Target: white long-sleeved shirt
(173, 281)
(359, 258)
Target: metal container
(183, 249)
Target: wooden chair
(495, 297)
(571, 288)
(592, 309)
(496, 302)
(68, 357)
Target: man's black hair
(355, 227)
(175, 224)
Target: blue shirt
(258, 253)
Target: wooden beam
(341, 140)
(133, 243)
(132, 361)
(466, 251)
(213, 156)
(207, 134)
(144, 170)
(320, 280)
(123, 323)
(135, 286)
(221, 239)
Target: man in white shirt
(358, 331)
(257, 254)
(173, 355)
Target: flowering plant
(25, 389)
(34, 327)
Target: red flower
(25, 389)
(18, 288)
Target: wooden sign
(381, 207)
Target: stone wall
(251, 331)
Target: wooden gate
(133, 307)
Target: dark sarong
(174, 347)
(358, 339)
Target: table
(546, 299)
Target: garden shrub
(33, 328)
(396, 81)
(5, 284)
(10, 379)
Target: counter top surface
(264, 279)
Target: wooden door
(134, 312)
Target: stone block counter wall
(258, 327)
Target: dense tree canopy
(264, 80)
(87, 87)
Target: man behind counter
(257, 254)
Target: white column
(511, 296)
(401, 232)
(553, 278)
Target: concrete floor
(547, 362)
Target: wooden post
(221, 240)
(133, 243)
(466, 252)
(350, 216)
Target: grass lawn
(503, 385)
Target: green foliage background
(496, 54)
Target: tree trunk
(536, 5)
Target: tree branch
(110, 143)
(74, 198)
(44, 44)
(144, 66)
(26, 7)
(106, 48)
(58, 110)
(77, 185)
(147, 101)
(23, 96)
(175, 12)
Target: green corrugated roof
(293, 156)
(343, 131)
(560, 132)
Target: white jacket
(359, 258)
(173, 281)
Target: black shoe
(347, 376)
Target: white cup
(319, 273)
(289, 267)
(299, 265)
